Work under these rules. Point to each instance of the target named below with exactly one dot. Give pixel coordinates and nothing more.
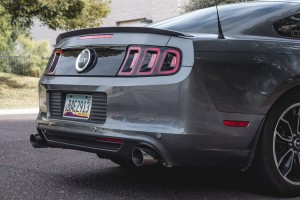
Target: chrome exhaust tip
(37, 141)
(144, 157)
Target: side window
(288, 27)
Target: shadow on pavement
(209, 183)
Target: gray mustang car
(195, 90)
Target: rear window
(288, 27)
(205, 20)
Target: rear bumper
(173, 150)
(174, 115)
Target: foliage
(16, 17)
(37, 54)
(198, 4)
(6, 42)
(56, 14)
(31, 60)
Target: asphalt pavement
(28, 173)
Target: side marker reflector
(236, 123)
(111, 140)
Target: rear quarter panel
(247, 76)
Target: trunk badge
(86, 60)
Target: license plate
(78, 106)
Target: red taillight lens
(130, 62)
(53, 62)
(150, 61)
(170, 63)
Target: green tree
(16, 17)
(37, 53)
(6, 31)
(56, 14)
(198, 4)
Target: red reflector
(236, 123)
(95, 37)
(112, 140)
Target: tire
(277, 161)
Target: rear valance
(92, 31)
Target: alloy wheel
(286, 144)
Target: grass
(18, 92)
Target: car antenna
(220, 31)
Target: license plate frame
(77, 106)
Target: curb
(19, 111)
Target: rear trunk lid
(110, 46)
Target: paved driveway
(27, 173)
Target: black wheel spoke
(298, 167)
(298, 121)
(287, 163)
(285, 158)
(283, 139)
(292, 118)
(281, 148)
(294, 173)
(299, 159)
(284, 130)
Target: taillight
(170, 62)
(130, 62)
(150, 61)
(53, 62)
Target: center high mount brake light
(104, 36)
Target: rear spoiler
(92, 31)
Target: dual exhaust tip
(37, 141)
(144, 157)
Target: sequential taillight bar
(150, 61)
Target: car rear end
(128, 97)
(132, 94)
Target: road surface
(28, 173)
